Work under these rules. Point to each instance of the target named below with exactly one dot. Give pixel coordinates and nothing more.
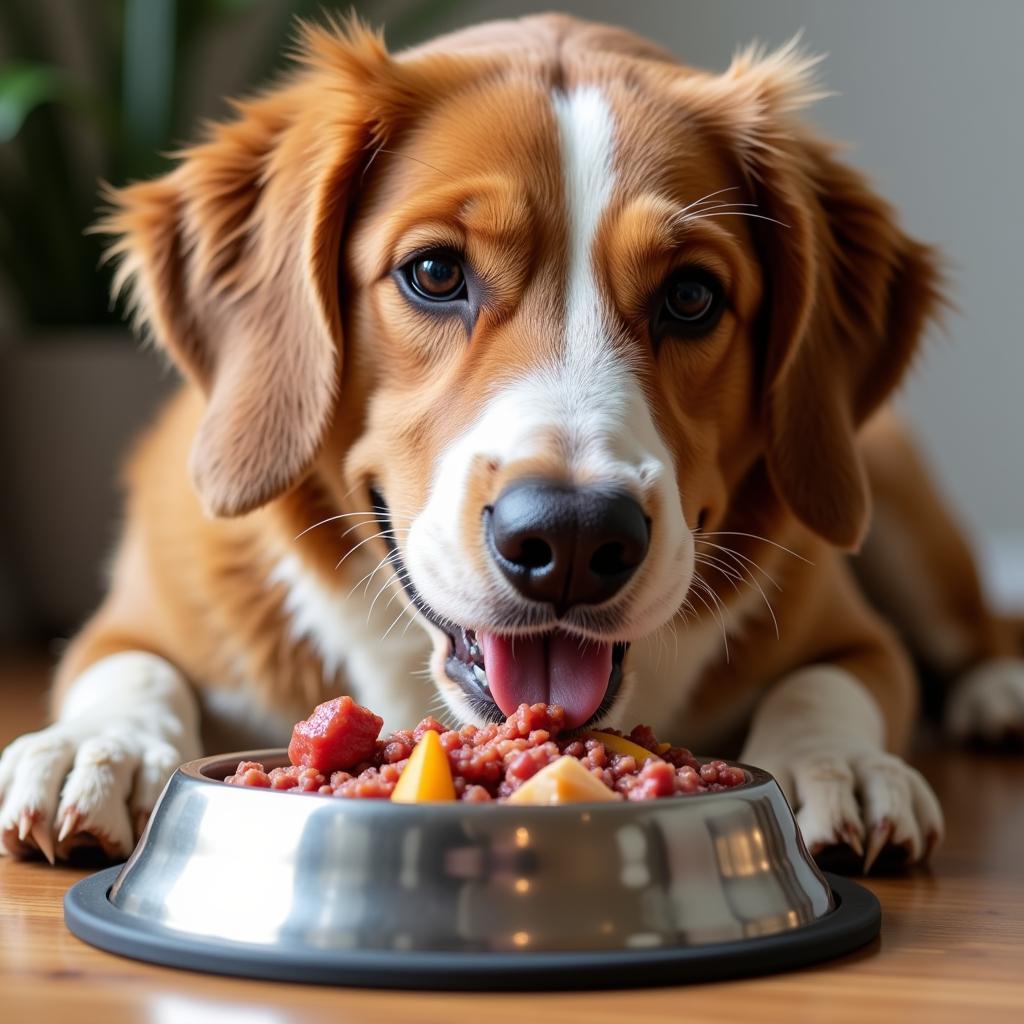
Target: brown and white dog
(535, 358)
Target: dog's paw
(92, 778)
(69, 786)
(866, 800)
(987, 703)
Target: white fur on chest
(371, 648)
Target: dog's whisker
(722, 567)
(373, 572)
(407, 156)
(331, 519)
(735, 571)
(742, 558)
(768, 605)
(700, 581)
(704, 199)
(689, 616)
(681, 216)
(394, 597)
(354, 549)
(369, 163)
(755, 216)
(722, 206)
(754, 581)
(409, 608)
(659, 635)
(398, 617)
(386, 560)
(366, 540)
(395, 577)
(757, 536)
(384, 586)
(412, 619)
(438, 708)
(717, 612)
(392, 530)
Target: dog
(535, 360)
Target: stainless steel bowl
(275, 878)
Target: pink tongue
(553, 669)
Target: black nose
(566, 545)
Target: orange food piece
(564, 781)
(620, 745)
(427, 776)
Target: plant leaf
(23, 87)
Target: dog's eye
(692, 303)
(689, 301)
(436, 276)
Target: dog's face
(579, 293)
(561, 329)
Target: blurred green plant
(61, 130)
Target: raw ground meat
(491, 762)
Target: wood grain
(952, 943)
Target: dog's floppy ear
(840, 336)
(847, 292)
(231, 261)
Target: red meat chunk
(338, 735)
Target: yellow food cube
(620, 745)
(564, 781)
(427, 777)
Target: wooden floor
(951, 949)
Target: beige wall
(930, 95)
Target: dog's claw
(25, 823)
(880, 836)
(851, 835)
(69, 824)
(44, 840)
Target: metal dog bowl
(456, 896)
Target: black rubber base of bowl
(856, 921)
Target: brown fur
(961, 630)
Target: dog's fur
(574, 165)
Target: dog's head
(542, 299)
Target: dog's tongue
(553, 669)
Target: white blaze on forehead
(588, 390)
(587, 137)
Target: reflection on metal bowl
(316, 888)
